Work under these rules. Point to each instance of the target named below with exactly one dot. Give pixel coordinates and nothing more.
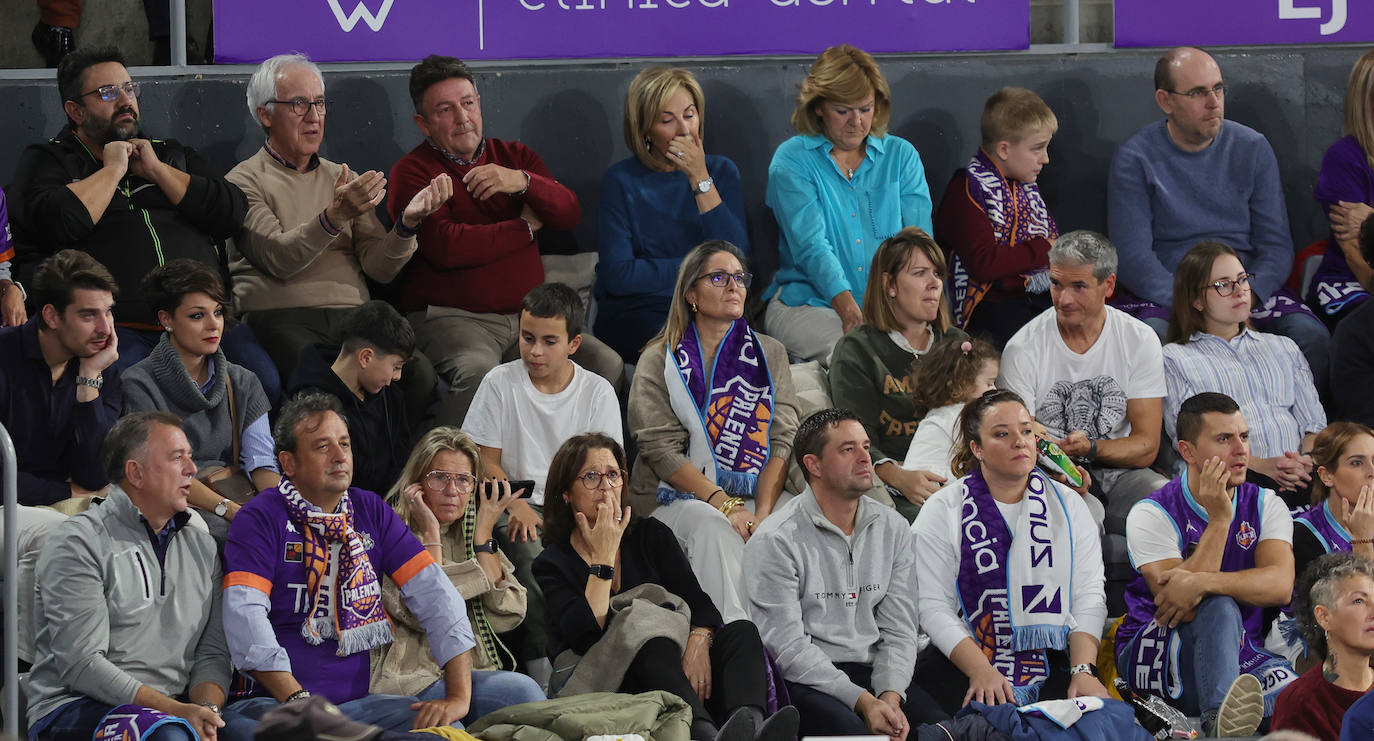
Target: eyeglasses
(110, 93)
(440, 480)
(1226, 286)
(300, 105)
(1198, 93)
(721, 279)
(592, 479)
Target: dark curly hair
(166, 286)
(945, 375)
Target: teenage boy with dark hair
(377, 342)
(522, 413)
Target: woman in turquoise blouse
(838, 189)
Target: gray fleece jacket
(111, 619)
(820, 597)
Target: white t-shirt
(932, 447)
(937, 531)
(529, 426)
(1068, 391)
(1151, 534)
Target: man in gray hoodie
(128, 603)
(832, 588)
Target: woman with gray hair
(713, 411)
(658, 204)
(1335, 607)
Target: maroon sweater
(478, 255)
(963, 228)
(1313, 705)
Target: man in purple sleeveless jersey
(1210, 551)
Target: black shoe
(53, 42)
(781, 726)
(738, 727)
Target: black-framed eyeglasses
(110, 93)
(300, 105)
(1225, 287)
(592, 479)
(440, 480)
(1198, 93)
(721, 278)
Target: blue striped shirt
(1265, 373)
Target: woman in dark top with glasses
(594, 549)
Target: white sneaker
(1241, 710)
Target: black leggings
(947, 685)
(737, 672)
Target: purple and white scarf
(339, 578)
(1017, 213)
(727, 416)
(135, 722)
(1016, 607)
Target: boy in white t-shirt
(1093, 376)
(522, 413)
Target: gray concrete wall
(571, 113)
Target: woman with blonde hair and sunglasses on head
(713, 412)
(657, 204)
(838, 188)
(442, 497)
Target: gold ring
(749, 525)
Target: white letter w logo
(374, 22)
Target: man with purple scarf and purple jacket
(1211, 551)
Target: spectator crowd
(949, 458)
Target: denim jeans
(491, 691)
(79, 719)
(1209, 659)
(390, 712)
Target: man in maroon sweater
(479, 253)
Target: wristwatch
(601, 571)
(94, 383)
(487, 547)
(1084, 669)
(222, 508)
(704, 186)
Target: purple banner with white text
(378, 30)
(1243, 22)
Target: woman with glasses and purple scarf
(438, 496)
(713, 412)
(1011, 589)
(627, 614)
(1211, 347)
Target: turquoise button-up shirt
(830, 226)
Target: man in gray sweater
(831, 586)
(128, 603)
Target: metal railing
(10, 485)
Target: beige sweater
(662, 439)
(405, 666)
(283, 258)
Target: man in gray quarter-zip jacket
(128, 600)
(831, 586)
